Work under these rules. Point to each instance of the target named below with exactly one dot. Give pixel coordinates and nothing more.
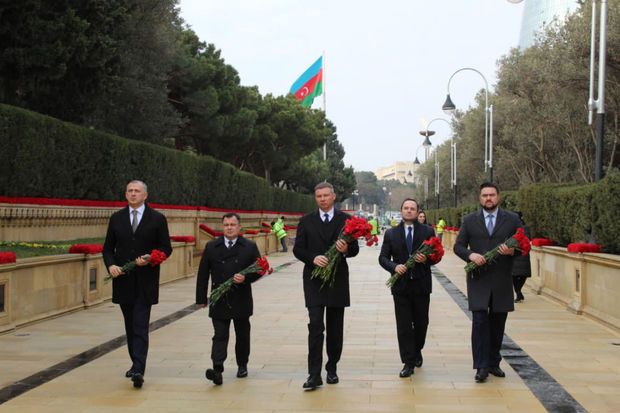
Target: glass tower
(538, 13)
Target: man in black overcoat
(223, 258)
(133, 232)
(412, 291)
(316, 233)
(489, 288)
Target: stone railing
(27, 222)
(448, 239)
(36, 288)
(586, 283)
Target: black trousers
(137, 317)
(518, 282)
(334, 320)
(486, 337)
(411, 312)
(283, 242)
(221, 333)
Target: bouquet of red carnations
(432, 248)
(354, 228)
(518, 241)
(156, 257)
(261, 267)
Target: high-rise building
(539, 13)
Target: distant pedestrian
(440, 226)
(521, 267)
(422, 218)
(278, 229)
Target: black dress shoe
(215, 376)
(419, 360)
(138, 380)
(129, 373)
(481, 375)
(242, 372)
(313, 382)
(497, 372)
(332, 378)
(406, 371)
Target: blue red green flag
(310, 84)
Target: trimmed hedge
(564, 213)
(45, 157)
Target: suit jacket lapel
(320, 227)
(500, 220)
(482, 223)
(417, 237)
(400, 239)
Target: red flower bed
(583, 247)
(251, 231)
(266, 231)
(210, 230)
(542, 242)
(7, 257)
(182, 238)
(86, 249)
(120, 204)
(287, 227)
(265, 224)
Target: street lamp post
(436, 179)
(598, 105)
(449, 107)
(452, 156)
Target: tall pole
(436, 179)
(599, 103)
(488, 121)
(453, 148)
(452, 157)
(325, 107)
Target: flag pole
(324, 107)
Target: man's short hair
(417, 206)
(323, 185)
(230, 215)
(136, 181)
(488, 185)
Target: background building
(400, 171)
(538, 13)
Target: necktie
(134, 222)
(490, 224)
(326, 218)
(230, 244)
(410, 239)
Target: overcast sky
(387, 63)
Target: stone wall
(585, 283)
(42, 287)
(24, 222)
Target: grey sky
(387, 62)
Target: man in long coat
(133, 232)
(223, 258)
(489, 288)
(316, 233)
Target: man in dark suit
(412, 291)
(489, 289)
(223, 258)
(133, 232)
(316, 233)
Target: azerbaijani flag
(310, 84)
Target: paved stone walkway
(580, 354)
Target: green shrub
(44, 157)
